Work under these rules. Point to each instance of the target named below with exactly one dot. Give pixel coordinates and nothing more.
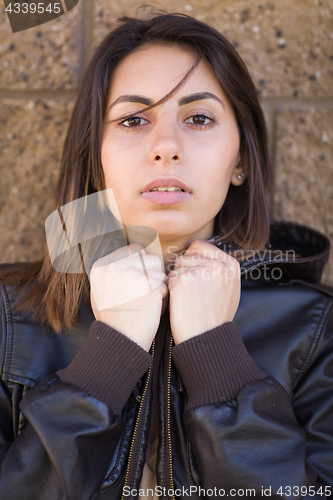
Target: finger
(172, 276)
(158, 275)
(200, 261)
(228, 265)
(165, 292)
(139, 260)
(157, 284)
(120, 254)
(138, 272)
(190, 260)
(142, 260)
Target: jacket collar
(295, 252)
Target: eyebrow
(199, 97)
(181, 102)
(132, 98)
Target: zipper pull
(137, 391)
(181, 387)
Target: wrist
(188, 331)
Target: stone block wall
(288, 47)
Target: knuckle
(99, 263)
(234, 261)
(133, 247)
(117, 267)
(215, 264)
(154, 261)
(132, 273)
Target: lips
(166, 182)
(166, 197)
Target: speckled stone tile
(304, 171)
(31, 138)
(44, 57)
(288, 46)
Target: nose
(166, 145)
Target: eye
(133, 121)
(201, 120)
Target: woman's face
(190, 141)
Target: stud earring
(240, 176)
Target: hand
(204, 290)
(127, 297)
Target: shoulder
(286, 326)
(29, 350)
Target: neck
(171, 251)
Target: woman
(170, 394)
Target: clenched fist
(128, 288)
(204, 290)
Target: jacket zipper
(168, 458)
(134, 442)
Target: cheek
(218, 195)
(214, 194)
(223, 149)
(221, 167)
(118, 163)
(216, 184)
(105, 157)
(109, 165)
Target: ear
(240, 173)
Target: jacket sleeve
(244, 432)
(74, 421)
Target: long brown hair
(53, 297)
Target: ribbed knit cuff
(215, 365)
(108, 366)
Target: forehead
(154, 70)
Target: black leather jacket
(57, 442)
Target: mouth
(167, 189)
(166, 184)
(162, 196)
